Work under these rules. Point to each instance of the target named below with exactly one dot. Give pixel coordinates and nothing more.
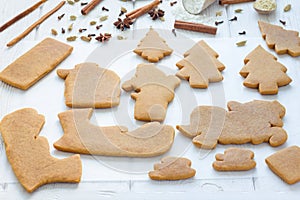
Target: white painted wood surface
(249, 186)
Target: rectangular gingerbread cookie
(35, 64)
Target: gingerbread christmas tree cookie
(90, 86)
(234, 159)
(153, 92)
(256, 122)
(283, 41)
(28, 153)
(200, 66)
(172, 168)
(262, 71)
(152, 47)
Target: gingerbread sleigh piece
(90, 86)
(152, 47)
(28, 153)
(153, 92)
(262, 71)
(283, 41)
(200, 66)
(81, 136)
(256, 122)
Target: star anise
(123, 24)
(156, 13)
(103, 37)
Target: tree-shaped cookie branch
(153, 92)
(200, 66)
(283, 41)
(256, 122)
(152, 47)
(28, 153)
(262, 71)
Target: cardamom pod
(85, 38)
(124, 10)
(92, 23)
(103, 18)
(238, 10)
(70, 28)
(54, 32)
(71, 38)
(70, 2)
(241, 43)
(73, 17)
(219, 13)
(287, 8)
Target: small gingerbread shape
(172, 168)
(234, 159)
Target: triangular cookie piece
(200, 66)
(283, 41)
(262, 71)
(152, 47)
(28, 153)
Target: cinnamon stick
(222, 2)
(21, 15)
(143, 10)
(190, 26)
(90, 6)
(35, 24)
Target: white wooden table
(131, 186)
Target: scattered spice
(103, 37)
(241, 43)
(85, 38)
(287, 8)
(63, 30)
(70, 28)
(99, 26)
(71, 38)
(156, 13)
(174, 32)
(83, 3)
(70, 2)
(283, 22)
(173, 3)
(162, 19)
(123, 11)
(93, 23)
(82, 30)
(76, 1)
(105, 9)
(233, 19)
(60, 16)
(239, 10)
(120, 37)
(53, 32)
(123, 24)
(242, 33)
(219, 13)
(73, 17)
(91, 35)
(103, 18)
(218, 22)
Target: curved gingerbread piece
(283, 41)
(172, 168)
(81, 136)
(153, 92)
(152, 47)
(256, 122)
(90, 86)
(28, 153)
(234, 159)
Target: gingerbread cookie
(152, 47)
(172, 168)
(90, 86)
(283, 41)
(35, 64)
(81, 136)
(234, 159)
(200, 66)
(262, 71)
(256, 122)
(153, 92)
(28, 153)
(286, 164)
